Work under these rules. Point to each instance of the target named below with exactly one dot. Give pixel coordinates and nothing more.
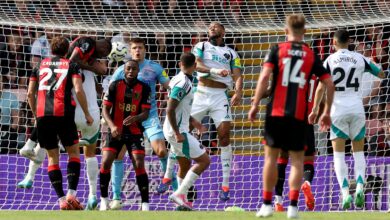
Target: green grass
(119, 215)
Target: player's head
(59, 46)
(295, 25)
(216, 30)
(103, 48)
(187, 63)
(341, 39)
(137, 49)
(131, 70)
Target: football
(118, 52)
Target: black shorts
(50, 128)
(287, 134)
(310, 147)
(134, 144)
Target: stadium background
(171, 27)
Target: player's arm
(201, 67)
(235, 65)
(97, 67)
(80, 94)
(32, 91)
(145, 108)
(196, 124)
(374, 68)
(108, 101)
(320, 91)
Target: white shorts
(190, 148)
(88, 134)
(350, 126)
(211, 101)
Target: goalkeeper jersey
(180, 88)
(347, 68)
(219, 57)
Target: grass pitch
(128, 215)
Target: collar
(214, 43)
(131, 83)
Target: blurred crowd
(21, 48)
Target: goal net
(171, 27)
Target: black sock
(308, 172)
(73, 173)
(34, 135)
(281, 179)
(55, 177)
(294, 202)
(192, 194)
(105, 176)
(143, 186)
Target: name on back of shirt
(297, 53)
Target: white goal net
(171, 27)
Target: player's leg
(33, 166)
(28, 149)
(117, 173)
(294, 180)
(108, 157)
(338, 136)
(358, 156)
(308, 168)
(169, 174)
(282, 164)
(137, 154)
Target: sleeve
(118, 74)
(318, 69)
(371, 67)
(74, 70)
(326, 65)
(145, 101)
(162, 76)
(198, 50)
(109, 97)
(85, 47)
(178, 91)
(235, 62)
(271, 58)
(36, 48)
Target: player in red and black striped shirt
(291, 64)
(125, 106)
(54, 109)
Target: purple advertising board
(245, 185)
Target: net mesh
(171, 27)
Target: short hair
(221, 25)
(59, 46)
(137, 40)
(296, 23)
(342, 36)
(187, 59)
(131, 60)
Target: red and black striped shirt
(127, 100)
(85, 47)
(293, 65)
(54, 76)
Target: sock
(360, 169)
(267, 197)
(279, 199)
(143, 184)
(32, 169)
(55, 177)
(71, 192)
(308, 171)
(117, 177)
(179, 181)
(226, 159)
(282, 164)
(105, 177)
(170, 173)
(30, 144)
(73, 173)
(294, 195)
(34, 135)
(341, 171)
(188, 181)
(40, 153)
(92, 174)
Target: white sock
(279, 199)
(188, 181)
(341, 171)
(179, 181)
(30, 144)
(72, 192)
(226, 160)
(40, 153)
(170, 165)
(92, 174)
(32, 169)
(360, 169)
